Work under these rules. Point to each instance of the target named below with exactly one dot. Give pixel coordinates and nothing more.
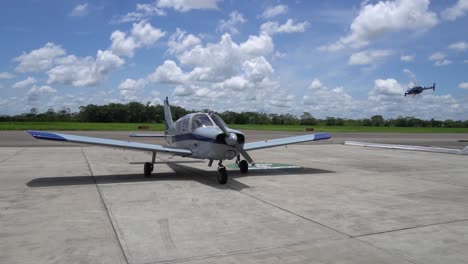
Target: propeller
(231, 138)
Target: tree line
(135, 112)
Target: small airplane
(196, 135)
(418, 89)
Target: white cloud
(236, 83)
(463, 85)
(80, 10)
(410, 74)
(130, 89)
(168, 72)
(407, 58)
(367, 57)
(443, 62)
(6, 75)
(86, 71)
(40, 59)
(315, 84)
(458, 10)
(37, 91)
(256, 69)
(437, 56)
(459, 46)
(289, 27)
(143, 11)
(142, 34)
(24, 83)
(274, 11)
(187, 5)
(375, 21)
(235, 18)
(181, 41)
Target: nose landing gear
(222, 173)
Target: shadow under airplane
(181, 173)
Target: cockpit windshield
(201, 120)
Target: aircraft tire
(243, 166)
(148, 169)
(222, 175)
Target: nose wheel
(222, 173)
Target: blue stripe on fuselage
(191, 136)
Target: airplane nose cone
(232, 139)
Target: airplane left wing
(285, 141)
(108, 142)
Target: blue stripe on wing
(46, 135)
(321, 136)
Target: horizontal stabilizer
(108, 142)
(147, 135)
(408, 147)
(285, 141)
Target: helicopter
(418, 89)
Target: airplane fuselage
(205, 141)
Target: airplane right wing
(147, 135)
(109, 142)
(285, 141)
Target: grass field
(160, 127)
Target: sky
(348, 59)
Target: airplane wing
(147, 135)
(108, 142)
(285, 141)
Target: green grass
(160, 127)
(77, 126)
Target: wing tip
(46, 135)
(322, 136)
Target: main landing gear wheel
(148, 169)
(243, 166)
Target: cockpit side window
(201, 120)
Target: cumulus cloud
(410, 74)
(407, 58)
(315, 84)
(80, 10)
(367, 57)
(40, 59)
(463, 85)
(439, 59)
(6, 75)
(181, 41)
(169, 73)
(455, 11)
(24, 83)
(274, 11)
(187, 5)
(142, 34)
(377, 20)
(459, 46)
(130, 89)
(87, 71)
(230, 25)
(142, 12)
(36, 92)
(290, 26)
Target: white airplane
(197, 135)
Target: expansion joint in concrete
(114, 228)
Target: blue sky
(348, 59)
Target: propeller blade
(220, 123)
(244, 153)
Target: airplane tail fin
(433, 87)
(464, 151)
(168, 115)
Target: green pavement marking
(267, 166)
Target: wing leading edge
(285, 141)
(108, 142)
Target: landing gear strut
(222, 173)
(149, 166)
